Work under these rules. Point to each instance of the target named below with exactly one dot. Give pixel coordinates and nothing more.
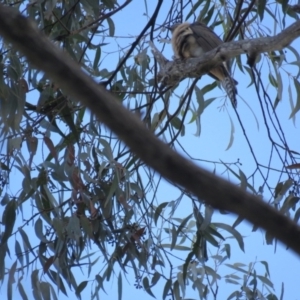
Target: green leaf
(209, 15)
(213, 231)
(99, 280)
(158, 211)
(232, 130)
(203, 11)
(45, 290)
(234, 295)
(297, 61)
(234, 233)
(11, 280)
(8, 219)
(250, 72)
(107, 151)
(227, 249)
(155, 278)
(111, 26)
(176, 123)
(38, 227)
(209, 87)
(86, 226)
(261, 5)
(176, 290)
(167, 288)
(97, 58)
(280, 85)
(57, 281)
(237, 221)
(291, 103)
(34, 284)
(81, 287)
(269, 238)
(209, 238)
(289, 203)
(281, 188)
(14, 144)
(237, 176)
(22, 291)
(109, 3)
(147, 286)
(26, 242)
(237, 267)
(265, 263)
(254, 115)
(4, 167)
(243, 179)
(183, 224)
(212, 273)
(265, 280)
(177, 247)
(120, 286)
(239, 63)
(282, 291)
(48, 263)
(193, 9)
(174, 237)
(200, 100)
(297, 106)
(19, 253)
(73, 227)
(284, 4)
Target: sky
(211, 145)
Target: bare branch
(171, 72)
(205, 185)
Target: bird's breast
(186, 46)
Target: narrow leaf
(261, 8)
(167, 288)
(147, 286)
(120, 286)
(234, 232)
(111, 26)
(297, 106)
(11, 280)
(8, 219)
(80, 288)
(232, 130)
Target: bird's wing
(206, 38)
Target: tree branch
(214, 190)
(172, 72)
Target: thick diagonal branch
(214, 190)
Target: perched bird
(192, 40)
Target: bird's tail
(228, 84)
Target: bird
(192, 40)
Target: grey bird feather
(192, 40)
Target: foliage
(83, 201)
